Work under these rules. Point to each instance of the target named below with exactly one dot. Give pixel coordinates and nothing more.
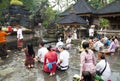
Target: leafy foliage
(96, 3)
(43, 7)
(104, 23)
(3, 5)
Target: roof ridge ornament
(72, 11)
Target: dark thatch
(71, 19)
(81, 7)
(113, 8)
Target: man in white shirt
(101, 65)
(91, 31)
(98, 45)
(59, 43)
(63, 62)
(19, 37)
(41, 53)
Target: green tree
(3, 5)
(49, 16)
(99, 4)
(104, 23)
(96, 3)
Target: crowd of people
(57, 58)
(101, 46)
(48, 57)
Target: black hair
(85, 45)
(102, 56)
(30, 49)
(116, 37)
(42, 44)
(87, 76)
(69, 36)
(113, 39)
(49, 48)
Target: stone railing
(110, 32)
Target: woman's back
(51, 56)
(88, 57)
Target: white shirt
(74, 35)
(105, 39)
(107, 72)
(64, 55)
(59, 44)
(41, 53)
(91, 32)
(97, 45)
(68, 41)
(19, 34)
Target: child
(30, 55)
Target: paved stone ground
(13, 69)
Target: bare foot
(28, 66)
(50, 74)
(32, 66)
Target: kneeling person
(63, 62)
(50, 60)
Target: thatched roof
(81, 7)
(71, 19)
(113, 8)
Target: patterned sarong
(20, 43)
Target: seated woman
(50, 60)
(30, 55)
(103, 67)
(111, 48)
(117, 43)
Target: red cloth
(51, 57)
(10, 28)
(29, 60)
(20, 43)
